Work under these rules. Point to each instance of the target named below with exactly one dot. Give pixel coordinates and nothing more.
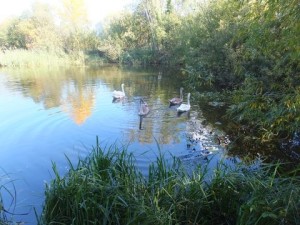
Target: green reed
(26, 58)
(107, 188)
(7, 206)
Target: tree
(34, 30)
(74, 25)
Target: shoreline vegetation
(107, 188)
(30, 59)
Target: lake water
(48, 115)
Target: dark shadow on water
(120, 100)
(141, 121)
(116, 100)
(179, 114)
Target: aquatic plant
(107, 188)
(7, 205)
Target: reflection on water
(46, 115)
(78, 102)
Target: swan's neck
(188, 100)
(123, 89)
(181, 96)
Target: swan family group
(144, 108)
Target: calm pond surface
(48, 115)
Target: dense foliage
(106, 188)
(61, 34)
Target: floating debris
(202, 139)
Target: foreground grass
(107, 188)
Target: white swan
(144, 109)
(119, 94)
(185, 107)
(176, 100)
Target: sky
(97, 9)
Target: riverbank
(107, 188)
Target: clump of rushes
(107, 188)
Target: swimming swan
(176, 100)
(144, 108)
(185, 107)
(119, 94)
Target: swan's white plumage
(119, 94)
(185, 107)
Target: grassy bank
(107, 188)
(32, 59)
